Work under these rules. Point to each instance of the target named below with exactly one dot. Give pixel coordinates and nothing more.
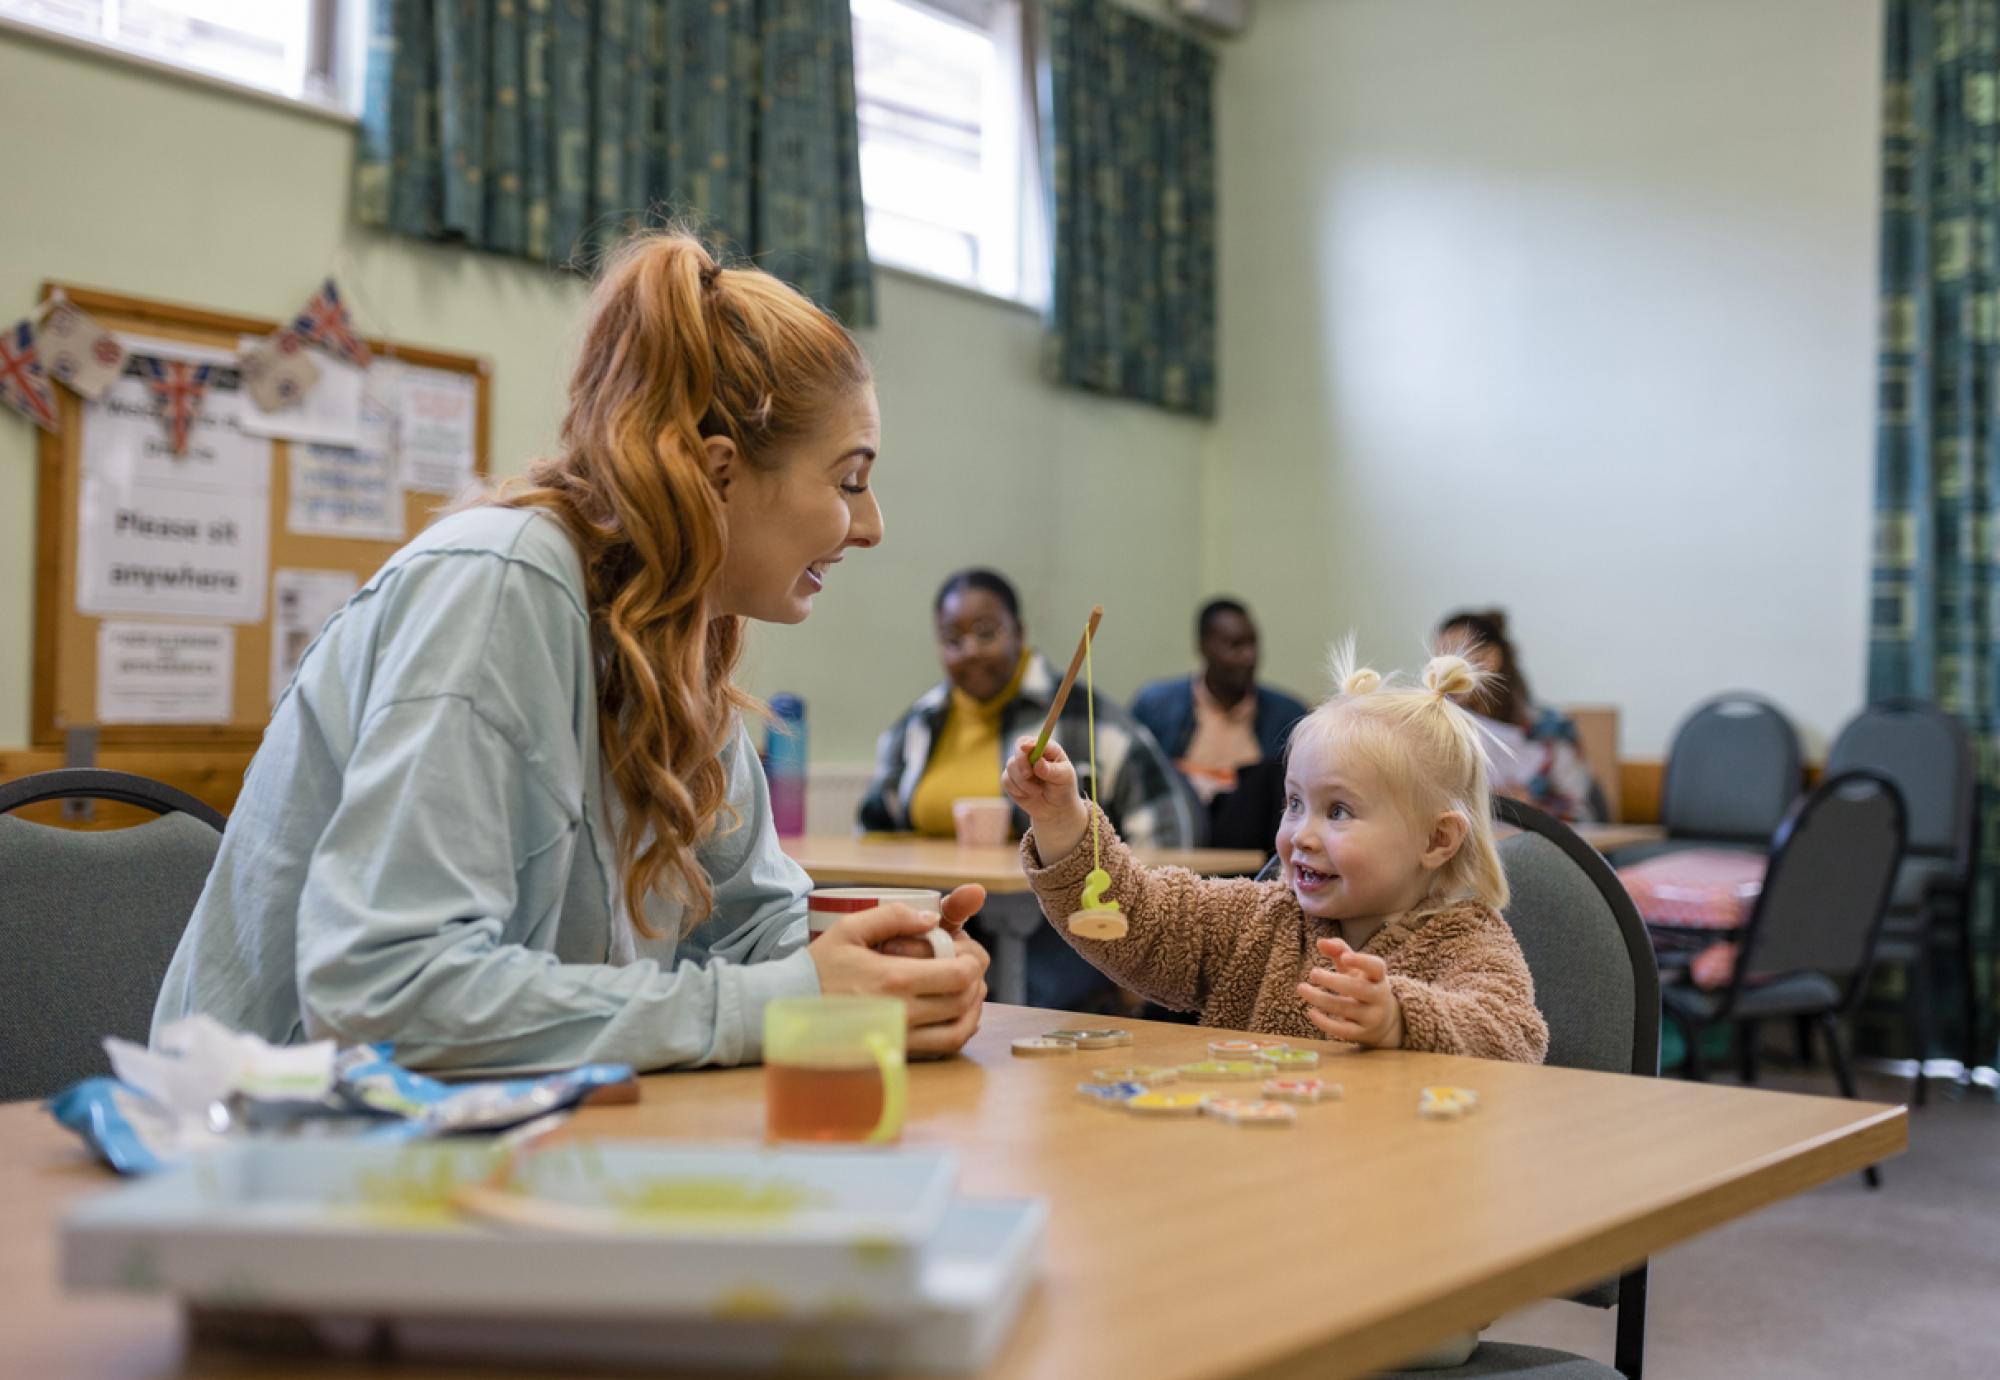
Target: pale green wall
(1564, 304)
(144, 183)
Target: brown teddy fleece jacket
(1235, 950)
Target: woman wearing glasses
(951, 744)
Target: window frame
(1027, 241)
(337, 39)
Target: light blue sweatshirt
(423, 851)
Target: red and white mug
(828, 905)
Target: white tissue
(198, 1061)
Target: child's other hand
(1353, 1000)
(1047, 791)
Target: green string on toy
(1095, 885)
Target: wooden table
(1607, 838)
(1176, 1249)
(904, 860)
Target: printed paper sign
(341, 491)
(164, 673)
(179, 552)
(125, 437)
(301, 602)
(436, 423)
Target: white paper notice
(125, 437)
(437, 423)
(301, 602)
(164, 673)
(178, 535)
(330, 414)
(341, 491)
(162, 549)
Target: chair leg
(1802, 1027)
(1836, 1055)
(1748, 1036)
(1695, 1067)
(1917, 1007)
(1972, 1056)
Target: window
(286, 47)
(948, 169)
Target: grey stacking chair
(1733, 769)
(89, 920)
(1599, 990)
(1929, 756)
(1810, 940)
(1598, 987)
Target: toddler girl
(1384, 928)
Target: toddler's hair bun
(1450, 675)
(1348, 675)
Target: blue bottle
(785, 765)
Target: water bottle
(785, 765)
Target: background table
(904, 860)
(1176, 1249)
(1608, 838)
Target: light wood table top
(1606, 838)
(1175, 1248)
(904, 860)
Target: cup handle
(895, 1090)
(940, 941)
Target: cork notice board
(68, 562)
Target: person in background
(1224, 731)
(952, 743)
(1540, 759)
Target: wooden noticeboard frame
(65, 669)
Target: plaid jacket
(1142, 794)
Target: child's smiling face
(1350, 850)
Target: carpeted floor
(1902, 1281)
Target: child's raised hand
(1047, 791)
(1353, 1000)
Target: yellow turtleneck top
(966, 761)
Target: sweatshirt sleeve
(1482, 1001)
(408, 925)
(1181, 928)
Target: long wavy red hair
(676, 349)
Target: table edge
(1381, 1342)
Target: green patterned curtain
(1129, 140)
(546, 128)
(1935, 625)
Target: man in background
(1225, 732)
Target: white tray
(976, 1277)
(345, 1226)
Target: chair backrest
(1596, 984)
(89, 920)
(1833, 863)
(1596, 981)
(1734, 768)
(1928, 754)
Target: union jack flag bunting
(24, 384)
(325, 322)
(178, 387)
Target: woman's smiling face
(790, 522)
